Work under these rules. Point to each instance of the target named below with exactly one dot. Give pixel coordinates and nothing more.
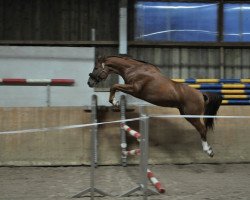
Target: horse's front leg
(126, 88)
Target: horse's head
(99, 73)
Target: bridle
(97, 77)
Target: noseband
(98, 78)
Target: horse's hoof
(211, 153)
(115, 103)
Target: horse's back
(156, 88)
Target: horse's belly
(164, 99)
(164, 103)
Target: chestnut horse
(145, 81)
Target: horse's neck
(118, 67)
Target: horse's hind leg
(201, 128)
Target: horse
(145, 81)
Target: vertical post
(93, 38)
(48, 96)
(222, 62)
(93, 154)
(144, 127)
(123, 38)
(94, 128)
(220, 24)
(144, 151)
(123, 27)
(122, 131)
(220, 37)
(93, 143)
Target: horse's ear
(100, 59)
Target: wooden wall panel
(171, 140)
(1, 19)
(62, 20)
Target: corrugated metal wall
(192, 62)
(182, 62)
(237, 63)
(197, 62)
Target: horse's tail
(212, 104)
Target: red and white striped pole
(131, 131)
(134, 152)
(155, 182)
(150, 174)
(23, 81)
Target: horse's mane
(126, 56)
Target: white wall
(47, 62)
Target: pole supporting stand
(139, 188)
(94, 159)
(91, 190)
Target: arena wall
(171, 140)
(34, 62)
